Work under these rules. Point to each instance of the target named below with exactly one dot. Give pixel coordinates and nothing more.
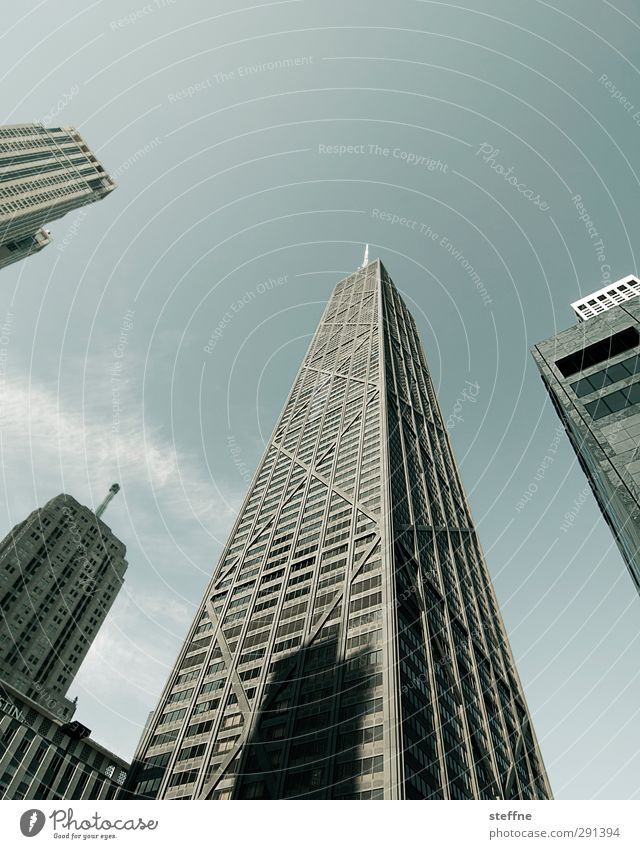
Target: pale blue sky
(222, 127)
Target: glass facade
(349, 644)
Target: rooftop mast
(113, 490)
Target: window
(612, 374)
(178, 697)
(614, 402)
(156, 761)
(212, 686)
(183, 778)
(204, 707)
(192, 752)
(599, 352)
(193, 660)
(172, 716)
(188, 676)
(226, 745)
(164, 737)
(199, 728)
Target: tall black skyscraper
(349, 644)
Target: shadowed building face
(316, 750)
(349, 644)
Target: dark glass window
(619, 371)
(633, 393)
(614, 402)
(599, 352)
(612, 374)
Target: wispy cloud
(176, 520)
(57, 440)
(130, 653)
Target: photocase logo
(32, 822)
(65, 825)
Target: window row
(612, 374)
(614, 402)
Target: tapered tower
(349, 644)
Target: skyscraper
(44, 173)
(349, 644)
(60, 571)
(591, 372)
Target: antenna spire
(113, 490)
(365, 261)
